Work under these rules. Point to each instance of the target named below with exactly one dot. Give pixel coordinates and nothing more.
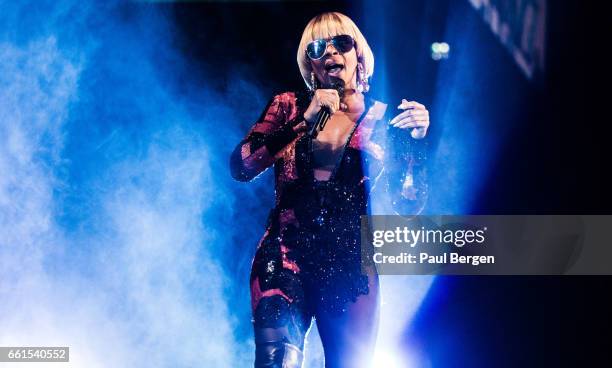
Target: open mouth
(333, 68)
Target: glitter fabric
(309, 257)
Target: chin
(329, 78)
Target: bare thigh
(349, 338)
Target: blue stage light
(440, 50)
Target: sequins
(270, 267)
(322, 249)
(288, 170)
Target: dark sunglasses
(316, 49)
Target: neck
(353, 99)
(351, 88)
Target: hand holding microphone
(325, 102)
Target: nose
(330, 49)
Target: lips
(333, 68)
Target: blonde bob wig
(328, 25)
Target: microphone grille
(338, 85)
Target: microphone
(325, 113)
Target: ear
(360, 69)
(361, 65)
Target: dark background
(553, 159)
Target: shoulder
(287, 96)
(377, 110)
(291, 101)
(280, 104)
(286, 106)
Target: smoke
(122, 234)
(116, 209)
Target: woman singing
(307, 263)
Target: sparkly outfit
(309, 258)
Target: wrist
(309, 119)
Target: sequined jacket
(369, 153)
(328, 212)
